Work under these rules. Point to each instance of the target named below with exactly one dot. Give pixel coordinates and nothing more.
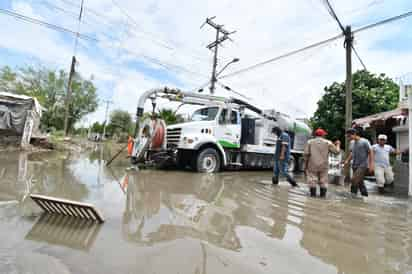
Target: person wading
(316, 156)
(362, 157)
(383, 169)
(282, 155)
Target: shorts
(358, 175)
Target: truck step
(235, 164)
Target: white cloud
(168, 31)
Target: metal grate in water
(67, 207)
(65, 231)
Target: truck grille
(173, 137)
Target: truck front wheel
(208, 161)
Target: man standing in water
(282, 155)
(362, 157)
(316, 156)
(383, 169)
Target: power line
(234, 91)
(283, 56)
(46, 24)
(359, 58)
(334, 16)
(75, 15)
(139, 31)
(89, 38)
(383, 22)
(156, 41)
(294, 52)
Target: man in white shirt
(383, 169)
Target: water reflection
(234, 222)
(66, 231)
(162, 209)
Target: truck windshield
(205, 114)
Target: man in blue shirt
(282, 155)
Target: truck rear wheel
(208, 161)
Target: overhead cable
(335, 16)
(383, 22)
(138, 30)
(89, 38)
(291, 53)
(46, 24)
(285, 55)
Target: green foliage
(120, 122)
(371, 94)
(170, 117)
(50, 87)
(97, 127)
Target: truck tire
(208, 161)
(182, 160)
(133, 160)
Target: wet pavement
(184, 222)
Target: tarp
(19, 116)
(14, 110)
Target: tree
(170, 117)
(97, 127)
(371, 94)
(49, 87)
(120, 122)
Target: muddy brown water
(183, 222)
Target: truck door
(228, 129)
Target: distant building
(19, 119)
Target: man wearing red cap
(316, 161)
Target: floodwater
(188, 223)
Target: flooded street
(190, 223)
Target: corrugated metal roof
(383, 116)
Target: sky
(139, 45)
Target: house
(395, 124)
(19, 119)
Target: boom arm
(192, 98)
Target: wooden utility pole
(213, 79)
(68, 96)
(215, 45)
(71, 74)
(348, 85)
(348, 94)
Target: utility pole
(71, 73)
(221, 36)
(348, 90)
(68, 96)
(348, 85)
(108, 102)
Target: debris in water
(67, 207)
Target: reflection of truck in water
(223, 133)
